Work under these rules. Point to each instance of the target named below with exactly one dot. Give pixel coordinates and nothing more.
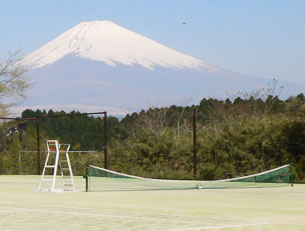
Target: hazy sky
(260, 38)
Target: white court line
(132, 217)
(100, 210)
(96, 215)
(223, 226)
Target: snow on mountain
(110, 43)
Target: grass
(22, 208)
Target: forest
(248, 134)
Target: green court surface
(23, 208)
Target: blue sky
(260, 38)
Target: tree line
(248, 134)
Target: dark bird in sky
(184, 23)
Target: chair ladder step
(50, 166)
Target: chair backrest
(52, 145)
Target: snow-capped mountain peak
(107, 42)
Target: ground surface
(22, 208)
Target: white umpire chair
(61, 161)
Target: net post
(86, 176)
(291, 175)
(105, 141)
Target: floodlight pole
(38, 144)
(105, 141)
(195, 141)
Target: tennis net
(100, 179)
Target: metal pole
(105, 142)
(195, 141)
(86, 176)
(38, 145)
(19, 161)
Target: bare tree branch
(12, 81)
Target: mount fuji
(101, 65)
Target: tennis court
(22, 208)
